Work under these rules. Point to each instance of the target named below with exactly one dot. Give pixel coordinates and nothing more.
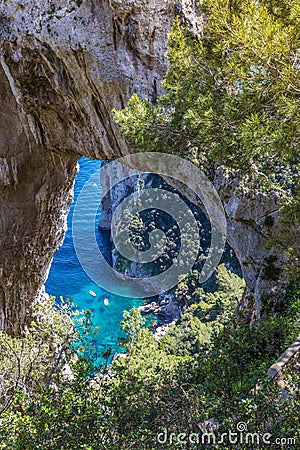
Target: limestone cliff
(64, 65)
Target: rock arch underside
(64, 65)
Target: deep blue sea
(67, 278)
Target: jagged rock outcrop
(252, 223)
(64, 65)
(117, 192)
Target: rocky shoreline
(167, 312)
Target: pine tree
(231, 96)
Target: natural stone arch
(64, 66)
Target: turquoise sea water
(67, 278)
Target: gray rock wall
(64, 65)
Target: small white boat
(93, 294)
(106, 302)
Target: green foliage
(231, 96)
(188, 337)
(132, 325)
(153, 387)
(29, 363)
(138, 121)
(44, 374)
(206, 312)
(221, 304)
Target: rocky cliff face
(35, 196)
(64, 65)
(252, 221)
